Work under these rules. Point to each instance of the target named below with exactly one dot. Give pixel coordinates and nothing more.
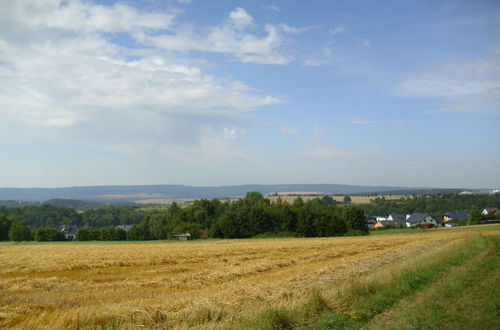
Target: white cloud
(428, 85)
(240, 18)
(332, 150)
(59, 122)
(364, 42)
(450, 81)
(232, 133)
(131, 149)
(337, 30)
(80, 16)
(317, 132)
(229, 37)
(467, 86)
(271, 7)
(361, 121)
(214, 149)
(289, 130)
(77, 78)
(60, 69)
(323, 57)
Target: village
(425, 220)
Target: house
(490, 211)
(180, 237)
(390, 224)
(69, 231)
(455, 215)
(424, 219)
(124, 227)
(396, 217)
(371, 221)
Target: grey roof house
(455, 215)
(421, 218)
(69, 231)
(396, 217)
(124, 227)
(390, 223)
(490, 211)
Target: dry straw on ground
(162, 284)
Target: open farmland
(194, 284)
(354, 198)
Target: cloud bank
(125, 74)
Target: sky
(193, 92)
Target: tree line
(250, 216)
(247, 217)
(48, 215)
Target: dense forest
(253, 215)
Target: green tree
(107, 234)
(327, 200)
(347, 199)
(5, 224)
(255, 197)
(476, 216)
(120, 235)
(84, 234)
(159, 225)
(48, 234)
(356, 221)
(19, 232)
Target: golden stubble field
(184, 284)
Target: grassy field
(350, 282)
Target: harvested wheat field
(206, 284)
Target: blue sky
(198, 92)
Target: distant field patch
(354, 199)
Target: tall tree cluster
(251, 216)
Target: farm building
(124, 227)
(180, 237)
(396, 217)
(371, 221)
(390, 224)
(455, 215)
(400, 220)
(421, 219)
(491, 211)
(69, 231)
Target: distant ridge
(138, 193)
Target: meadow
(344, 282)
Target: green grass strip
(468, 298)
(365, 299)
